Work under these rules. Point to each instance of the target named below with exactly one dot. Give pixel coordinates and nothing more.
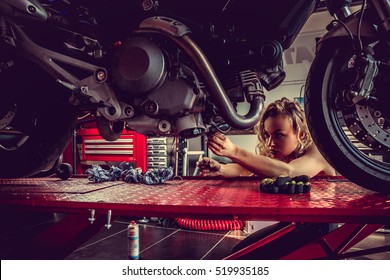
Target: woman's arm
(210, 167)
(309, 164)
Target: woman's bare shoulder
(327, 169)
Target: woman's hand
(208, 167)
(221, 145)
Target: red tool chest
(130, 147)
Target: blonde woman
(284, 147)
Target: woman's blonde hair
(291, 109)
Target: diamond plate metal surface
(330, 200)
(47, 189)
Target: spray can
(133, 240)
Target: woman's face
(281, 138)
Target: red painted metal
(261, 242)
(335, 244)
(118, 151)
(331, 200)
(140, 153)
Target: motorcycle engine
(163, 94)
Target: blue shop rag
(126, 172)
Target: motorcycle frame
(91, 86)
(100, 91)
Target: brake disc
(369, 127)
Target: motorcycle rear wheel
(328, 76)
(47, 139)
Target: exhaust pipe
(179, 33)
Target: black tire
(329, 75)
(43, 113)
(51, 169)
(46, 142)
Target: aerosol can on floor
(133, 240)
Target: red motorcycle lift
(91, 205)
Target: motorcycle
(169, 67)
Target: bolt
(31, 9)
(164, 126)
(108, 225)
(84, 89)
(147, 5)
(129, 111)
(92, 218)
(377, 114)
(100, 75)
(151, 107)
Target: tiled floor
(156, 241)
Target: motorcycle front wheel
(353, 152)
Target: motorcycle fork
(341, 10)
(371, 66)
